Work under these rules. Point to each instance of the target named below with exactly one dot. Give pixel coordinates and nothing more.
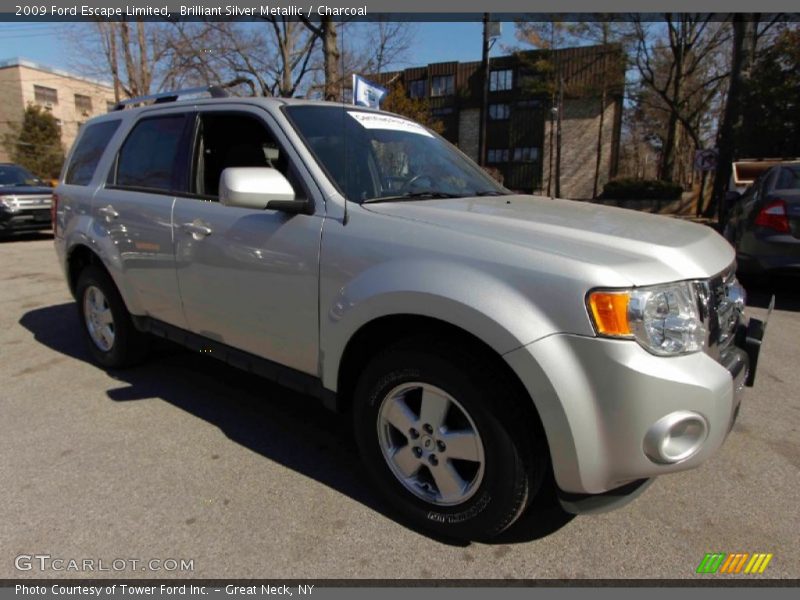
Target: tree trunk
(741, 57)
(330, 52)
(599, 153)
(144, 61)
(113, 60)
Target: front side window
(442, 85)
(149, 158)
(501, 80)
(88, 151)
(227, 140)
(373, 156)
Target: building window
(529, 154)
(416, 88)
(45, 95)
(443, 85)
(497, 155)
(442, 111)
(83, 104)
(499, 112)
(501, 80)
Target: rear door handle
(197, 229)
(108, 212)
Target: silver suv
(489, 346)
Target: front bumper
(600, 400)
(25, 220)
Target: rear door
(134, 211)
(248, 278)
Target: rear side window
(87, 153)
(150, 159)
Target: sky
(434, 42)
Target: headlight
(664, 319)
(8, 203)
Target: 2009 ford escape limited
(480, 339)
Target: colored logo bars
(738, 562)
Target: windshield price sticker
(380, 121)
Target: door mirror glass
(255, 187)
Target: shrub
(641, 189)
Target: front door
(248, 278)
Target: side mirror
(259, 188)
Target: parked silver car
(481, 340)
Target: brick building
(519, 117)
(71, 98)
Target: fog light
(676, 437)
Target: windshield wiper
(492, 193)
(411, 196)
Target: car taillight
(773, 216)
(53, 211)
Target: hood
(25, 190)
(643, 248)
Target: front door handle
(108, 212)
(197, 229)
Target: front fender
(473, 300)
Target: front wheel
(443, 439)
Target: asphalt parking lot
(186, 458)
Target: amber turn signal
(610, 313)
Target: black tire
(129, 345)
(514, 451)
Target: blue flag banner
(367, 93)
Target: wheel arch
(372, 337)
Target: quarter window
(87, 153)
(148, 160)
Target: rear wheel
(443, 438)
(112, 338)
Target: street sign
(706, 160)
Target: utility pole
(484, 92)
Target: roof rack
(213, 91)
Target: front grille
(721, 306)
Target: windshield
(12, 175)
(375, 157)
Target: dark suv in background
(25, 201)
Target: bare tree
(681, 75)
